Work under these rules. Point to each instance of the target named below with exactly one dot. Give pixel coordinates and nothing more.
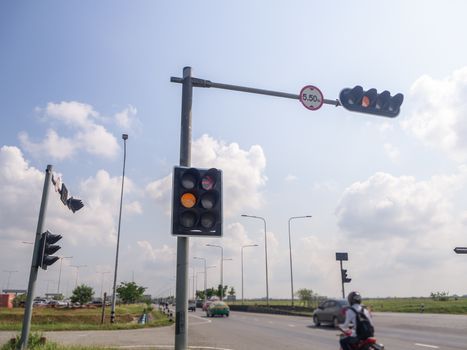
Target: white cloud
(386, 206)
(243, 174)
(84, 128)
(127, 119)
(439, 116)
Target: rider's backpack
(364, 328)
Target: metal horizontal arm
(208, 84)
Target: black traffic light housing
(47, 247)
(197, 202)
(383, 104)
(345, 279)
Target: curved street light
(290, 253)
(245, 246)
(265, 252)
(112, 312)
(60, 271)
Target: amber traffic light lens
(188, 219)
(188, 200)
(365, 101)
(188, 181)
(208, 220)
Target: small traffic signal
(345, 279)
(74, 204)
(47, 247)
(383, 104)
(197, 202)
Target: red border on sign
(313, 88)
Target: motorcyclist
(355, 301)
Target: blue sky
(76, 75)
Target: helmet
(354, 298)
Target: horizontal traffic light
(383, 104)
(197, 202)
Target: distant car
(331, 311)
(191, 305)
(218, 308)
(39, 302)
(209, 302)
(199, 303)
(57, 303)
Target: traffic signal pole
(342, 281)
(23, 343)
(181, 293)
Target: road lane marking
(427, 346)
(291, 325)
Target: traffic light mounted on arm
(47, 247)
(383, 104)
(197, 202)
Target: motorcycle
(366, 344)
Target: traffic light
(74, 204)
(47, 247)
(383, 104)
(345, 279)
(197, 202)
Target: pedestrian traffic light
(74, 204)
(197, 202)
(47, 247)
(383, 104)
(345, 279)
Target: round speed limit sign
(311, 97)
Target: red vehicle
(367, 344)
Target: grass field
(450, 306)
(55, 319)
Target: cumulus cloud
(291, 178)
(386, 206)
(243, 174)
(439, 117)
(84, 131)
(127, 119)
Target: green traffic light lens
(208, 220)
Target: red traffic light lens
(208, 182)
(208, 220)
(188, 219)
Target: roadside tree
(82, 294)
(130, 292)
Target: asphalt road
(268, 332)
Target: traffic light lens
(365, 101)
(207, 182)
(188, 181)
(188, 200)
(208, 200)
(208, 220)
(188, 219)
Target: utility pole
(23, 343)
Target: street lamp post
(290, 253)
(102, 283)
(60, 271)
(9, 276)
(245, 246)
(77, 272)
(265, 252)
(222, 267)
(112, 312)
(205, 282)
